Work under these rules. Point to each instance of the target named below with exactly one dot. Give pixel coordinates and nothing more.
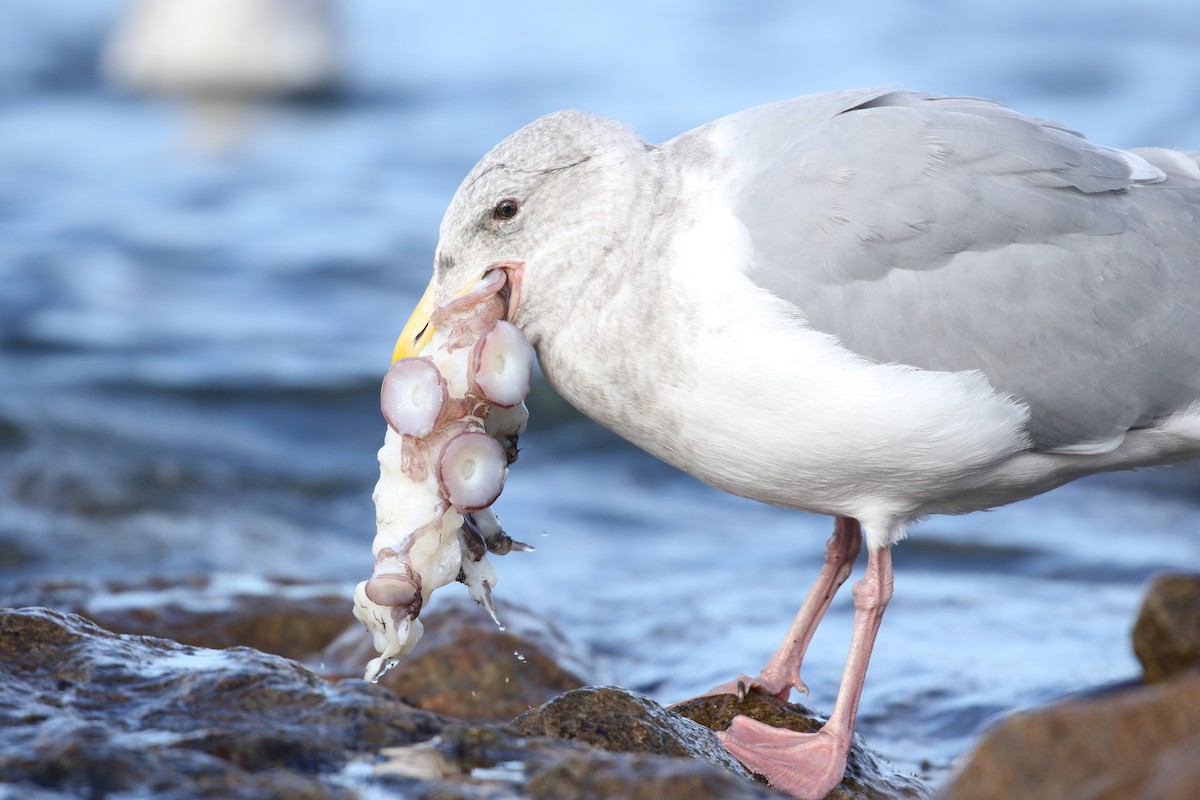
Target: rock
(464, 667)
(621, 721)
(564, 770)
(1135, 742)
(1166, 636)
(275, 616)
(868, 775)
(626, 776)
(90, 713)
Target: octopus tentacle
(455, 411)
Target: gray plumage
(873, 303)
(956, 234)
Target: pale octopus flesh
(454, 412)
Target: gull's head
(549, 206)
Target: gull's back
(955, 234)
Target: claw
(498, 542)
(502, 544)
(485, 600)
(473, 543)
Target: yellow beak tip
(418, 330)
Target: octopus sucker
(502, 364)
(454, 413)
(471, 469)
(413, 396)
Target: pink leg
(809, 765)
(782, 672)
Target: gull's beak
(418, 330)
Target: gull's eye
(506, 209)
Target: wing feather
(957, 234)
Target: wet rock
(1166, 636)
(621, 721)
(560, 769)
(1135, 742)
(868, 775)
(464, 667)
(90, 713)
(624, 776)
(286, 618)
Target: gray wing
(957, 234)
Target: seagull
(872, 304)
(224, 47)
(224, 57)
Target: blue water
(191, 345)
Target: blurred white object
(235, 50)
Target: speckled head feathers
(544, 196)
(557, 140)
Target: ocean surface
(192, 339)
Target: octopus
(454, 414)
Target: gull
(245, 48)
(872, 304)
(224, 57)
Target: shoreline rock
(1166, 636)
(88, 712)
(1138, 740)
(503, 713)
(467, 668)
(92, 712)
(283, 617)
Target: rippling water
(191, 346)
